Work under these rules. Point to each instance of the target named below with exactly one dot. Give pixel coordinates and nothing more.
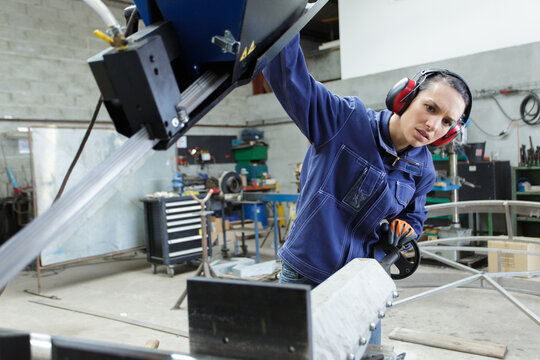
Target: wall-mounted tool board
(219, 146)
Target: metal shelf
(527, 219)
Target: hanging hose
(114, 34)
(103, 12)
(530, 113)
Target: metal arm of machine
(144, 85)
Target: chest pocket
(352, 180)
(404, 194)
(363, 189)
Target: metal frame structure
(510, 209)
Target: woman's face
(431, 114)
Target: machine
(189, 56)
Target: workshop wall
(44, 45)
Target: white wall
(381, 35)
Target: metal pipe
(479, 250)
(515, 273)
(510, 297)
(27, 244)
(509, 226)
(439, 289)
(479, 238)
(450, 262)
(452, 160)
(469, 286)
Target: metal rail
(509, 208)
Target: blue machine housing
(167, 65)
(254, 23)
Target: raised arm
(318, 113)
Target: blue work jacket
(352, 177)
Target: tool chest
(174, 231)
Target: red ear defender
(449, 136)
(399, 96)
(403, 93)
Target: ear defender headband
(403, 93)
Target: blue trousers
(289, 276)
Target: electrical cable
(462, 153)
(500, 107)
(529, 110)
(530, 115)
(485, 132)
(80, 150)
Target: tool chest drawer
(173, 231)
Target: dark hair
(454, 82)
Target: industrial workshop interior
(269, 179)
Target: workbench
(255, 199)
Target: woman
(362, 166)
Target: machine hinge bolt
(182, 114)
(395, 294)
(175, 122)
(362, 341)
(381, 314)
(389, 303)
(291, 349)
(226, 42)
(372, 326)
(350, 356)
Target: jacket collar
(410, 160)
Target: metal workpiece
(512, 299)
(509, 208)
(333, 321)
(27, 244)
(439, 289)
(248, 320)
(346, 308)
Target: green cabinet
(526, 225)
(252, 153)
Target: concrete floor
(125, 287)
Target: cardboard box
(513, 262)
(217, 224)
